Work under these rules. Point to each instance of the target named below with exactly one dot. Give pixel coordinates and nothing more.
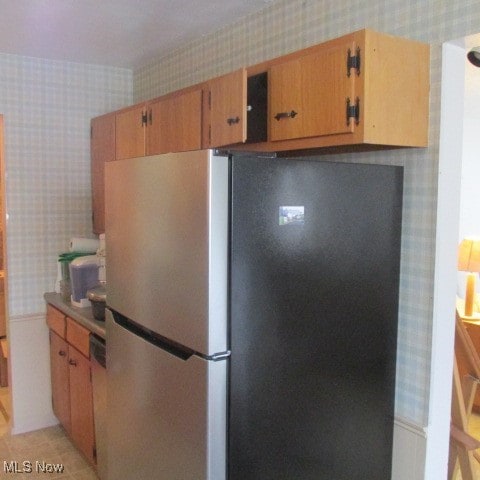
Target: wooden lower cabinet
(72, 397)
(81, 403)
(60, 379)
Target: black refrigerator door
(314, 297)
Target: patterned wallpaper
(288, 25)
(47, 106)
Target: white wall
(469, 162)
(470, 158)
(30, 370)
(448, 208)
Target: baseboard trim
(29, 359)
(409, 450)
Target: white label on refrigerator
(289, 215)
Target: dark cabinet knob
(233, 120)
(62, 353)
(281, 115)
(72, 362)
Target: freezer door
(166, 245)
(166, 415)
(314, 288)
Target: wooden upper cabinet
(130, 132)
(102, 149)
(308, 95)
(365, 88)
(228, 109)
(363, 91)
(175, 123)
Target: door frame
(447, 232)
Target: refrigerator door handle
(169, 346)
(216, 357)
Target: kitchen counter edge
(84, 316)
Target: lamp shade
(469, 255)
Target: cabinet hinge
(144, 118)
(353, 111)
(353, 61)
(209, 134)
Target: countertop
(83, 316)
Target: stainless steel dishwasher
(99, 382)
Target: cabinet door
(159, 127)
(102, 148)
(228, 109)
(60, 380)
(56, 321)
(308, 95)
(130, 132)
(81, 404)
(186, 114)
(175, 123)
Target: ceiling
(122, 33)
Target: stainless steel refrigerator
(252, 317)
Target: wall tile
(288, 25)
(47, 106)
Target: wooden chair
(466, 378)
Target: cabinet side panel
(102, 148)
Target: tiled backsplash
(288, 25)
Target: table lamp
(469, 261)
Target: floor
(41, 454)
(34, 450)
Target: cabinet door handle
(62, 353)
(72, 362)
(150, 117)
(281, 115)
(233, 120)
